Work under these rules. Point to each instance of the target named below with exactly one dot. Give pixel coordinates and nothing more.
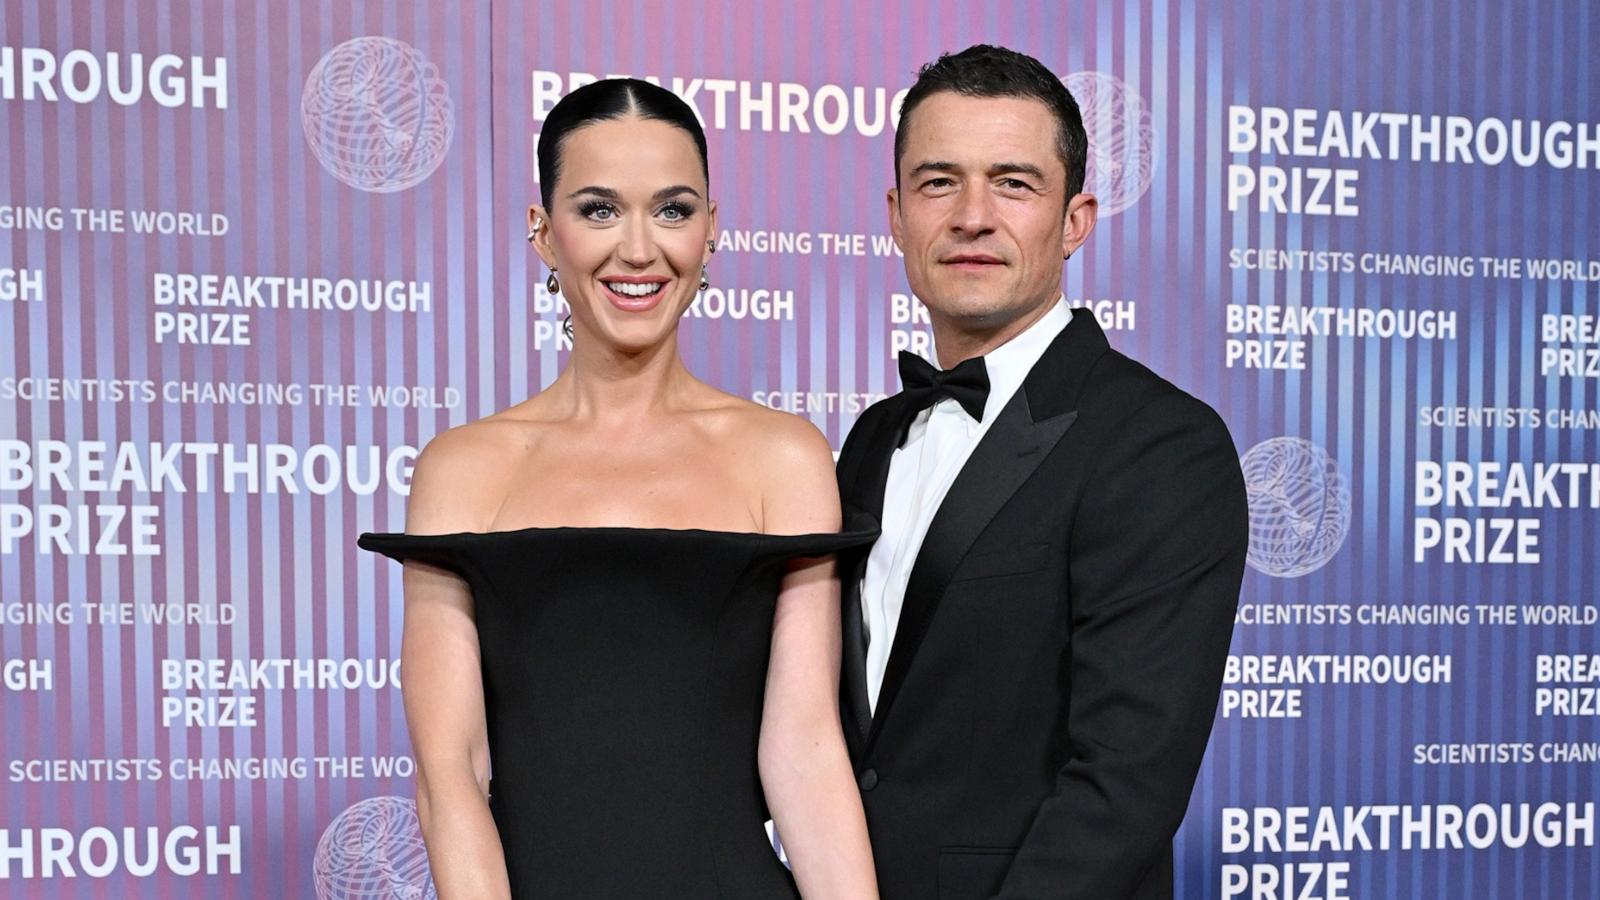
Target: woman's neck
(604, 384)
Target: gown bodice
(623, 674)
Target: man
(1034, 646)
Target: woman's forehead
(630, 153)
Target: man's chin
(979, 309)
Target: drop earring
(705, 280)
(551, 284)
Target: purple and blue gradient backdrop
(289, 564)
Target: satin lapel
(863, 486)
(1025, 432)
(854, 707)
(1009, 453)
(872, 467)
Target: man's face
(980, 210)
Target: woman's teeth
(634, 290)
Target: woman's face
(628, 230)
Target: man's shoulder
(1121, 389)
(878, 409)
(864, 439)
(872, 418)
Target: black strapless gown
(623, 672)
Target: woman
(618, 602)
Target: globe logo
(373, 849)
(1122, 140)
(376, 114)
(1299, 506)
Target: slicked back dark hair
(611, 98)
(983, 70)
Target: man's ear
(1082, 212)
(893, 197)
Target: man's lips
(972, 261)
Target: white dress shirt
(941, 439)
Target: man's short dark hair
(983, 70)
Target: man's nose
(974, 212)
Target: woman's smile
(635, 293)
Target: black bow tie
(925, 384)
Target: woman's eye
(598, 212)
(676, 212)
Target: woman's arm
(805, 769)
(443, 688)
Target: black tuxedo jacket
(1059, 655)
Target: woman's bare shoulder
(459, 478)
(788, 461)
(783, 438)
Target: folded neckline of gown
(859, 530)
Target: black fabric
(925, 384)
(1056, 667)
(623, 672)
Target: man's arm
(1158, 550)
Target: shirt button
(869, 779)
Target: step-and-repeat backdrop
(255, 254)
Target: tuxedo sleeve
(1157, 556)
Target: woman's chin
(636, 336)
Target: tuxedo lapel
(871, 476)
(854, 706)
(1009, 453)
(1024, 433)
(863, 482)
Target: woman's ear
(539, 234)
(711, 232)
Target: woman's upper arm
(442, 684)
(804, 499)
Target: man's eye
(1015, 184)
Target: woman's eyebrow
(674, 191)
(605, 192)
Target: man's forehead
(978, 131)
